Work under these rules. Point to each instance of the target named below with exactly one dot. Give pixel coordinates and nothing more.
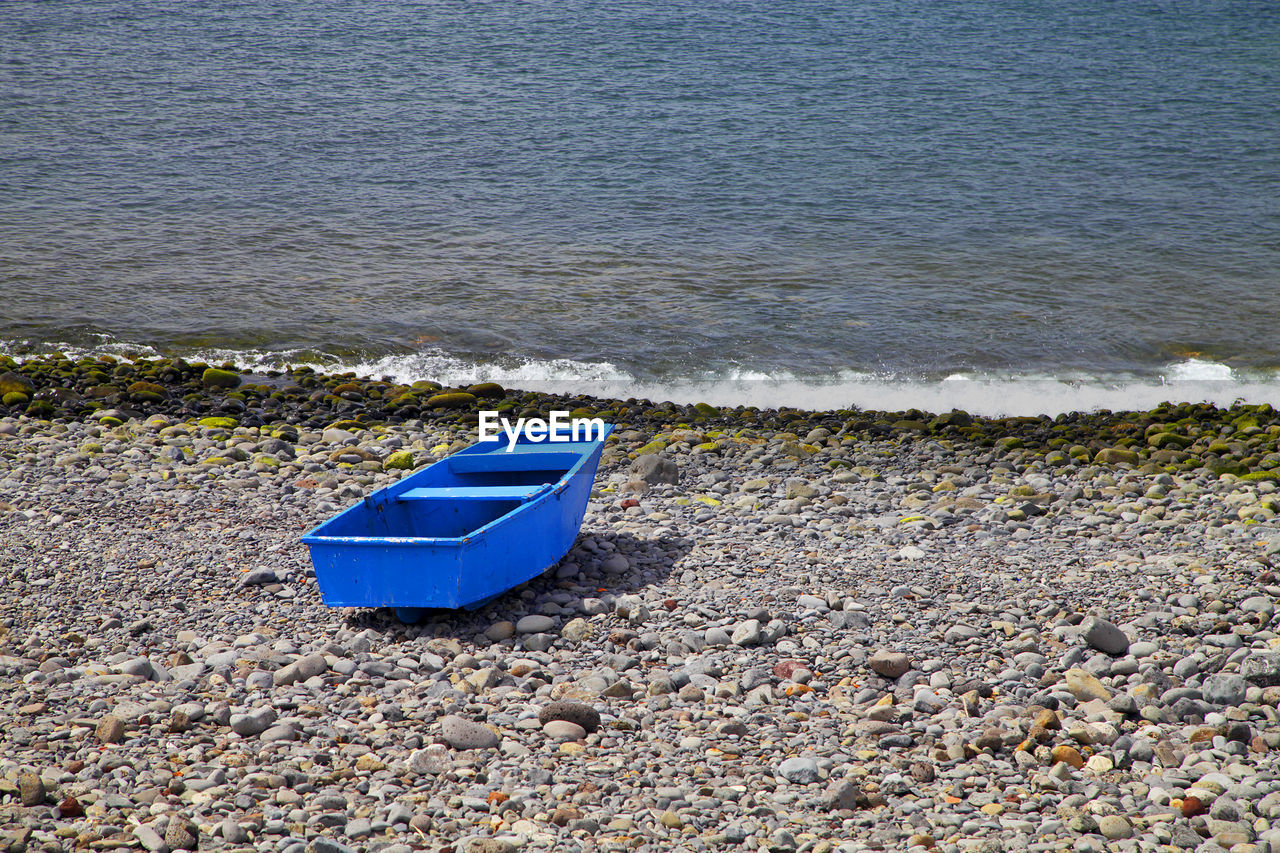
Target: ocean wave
(991, 393)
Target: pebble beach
(784, 631)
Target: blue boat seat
(500, 462)
(475, 493)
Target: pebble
(563, 730)
(824, 642)
(578, 713)
(799, 770)
(1104, 636)
(535, 624)
(891, 665)
(461, 733)
(110, 729)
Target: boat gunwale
(311, 537)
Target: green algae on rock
(451, 400)
(215, 377)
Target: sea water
(1016, 207)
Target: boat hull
(371, 555)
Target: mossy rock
(218, 423)
(1009, 442)
(707, 409)
(1116, 455)
(1168, 439)
(110, 420)
(11, 382)
(1219, 447)
(426, 385)
(489, 390)
(348, 424)
(1226, 466)
(451, 400)
(401, 460)
(656, 446)
(15, 398)
(41, 409)
(1256, 476)
(215, 377)
(349, 388)
(1057, 458)
(148, 392)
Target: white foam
(1195, 369)
(1192, 380)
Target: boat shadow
(650, 560)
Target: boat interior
(454, 499)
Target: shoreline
(835, 631)
(1170, 434)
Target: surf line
(561, 426)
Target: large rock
(535, 623)
(216, 378)
(889, 664)
(653, 468)
(182, 834)
(15, 383)
(843, 795)
(1104, 636)
(110, 729)
(31, 790)
(573, 712)
(799, 771)
(1084, 686)
(300, 670)
(1224, 689)
(253, 722)
(461, 733)
(1262, 670)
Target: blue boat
(461, 531)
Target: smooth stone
(799, 770)
(1104, 636)
(535, 623)
(461, 733)
(563, 730)
(891, 665)
(574, 712)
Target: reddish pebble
(70, 807)
(785, 669)
(629, 503)
(671, 604)
(1191, 806)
